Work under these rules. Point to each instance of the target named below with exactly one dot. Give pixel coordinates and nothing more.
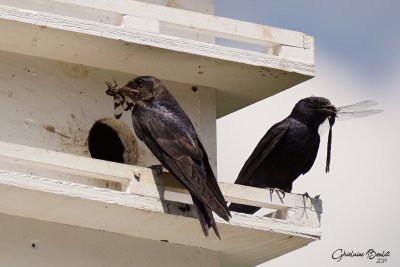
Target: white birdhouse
(74, 187)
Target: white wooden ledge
(218, 26)
(128, 36)
(144, 209)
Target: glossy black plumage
(160, 122)
(287, 150)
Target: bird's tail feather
(219, 207)
(205, 217)
(243, 208)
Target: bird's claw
(306, 195)
(271, 190)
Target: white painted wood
(233, 72)
(119, 19)
(137, 23)
(53, 105)
(67, 10)
(146, 217)
(264, 198)
(143, 181)
(201, 6)
(222, 27)
(56, 56)
(64, 245)
(304, 55)
(68, 163)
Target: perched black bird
(167, 131)
(287, 150)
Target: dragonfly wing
(358, 106)
(348, 115)
(357, 110)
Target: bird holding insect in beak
(289, 148)
(160, 122)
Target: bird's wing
(211, 180)
(311, 159)
(262, 150)
(179, 150)
(173, 137)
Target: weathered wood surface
(146, 182)
(54, 105)
(149, 206)
(102, 41)
(120, 37)
(218, 26)
(30, 242)
(146, 217)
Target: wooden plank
(304, 55)
(144, 181)
(222, 27)
(245, 239)
(67, 163)
(142, 24)
(63, 245)
(233, 72)
(69, 190)
(259, 197)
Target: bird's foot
(271, 191)
(158, 168)
(306, 195)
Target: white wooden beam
(67, 163)
(32, 242)
(233, 72)
(218, 26)
(145, 182)
(90, 207)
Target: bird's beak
(331, 110)
(124, 90)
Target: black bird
(287, 150)
(160, 122)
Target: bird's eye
(139, 81)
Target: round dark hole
(105, 144)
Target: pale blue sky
(357, 58)
(363, 33)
